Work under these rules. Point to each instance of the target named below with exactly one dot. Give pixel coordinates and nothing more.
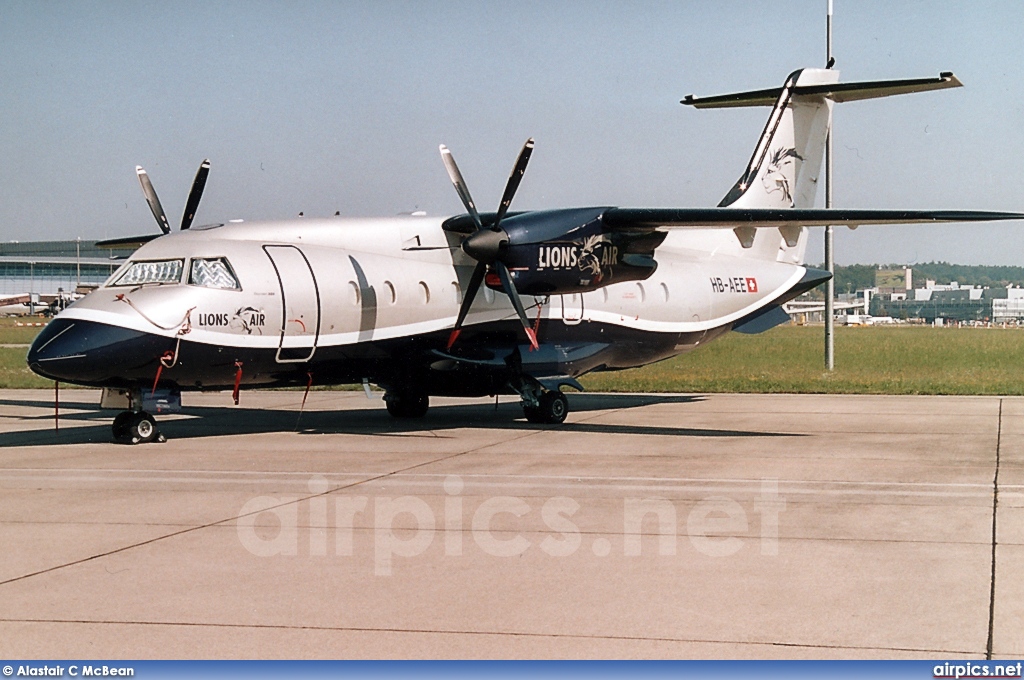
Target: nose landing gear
(134, 424)
(136, 427)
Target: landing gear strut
(540, 405)
(407, 404)
(551, 409)
(135, 427)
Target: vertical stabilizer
(783, 171)
(784, 168)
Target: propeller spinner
(488, 245)
(196, 193)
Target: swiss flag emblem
(751, 285)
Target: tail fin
(783, 171)
(784, 168)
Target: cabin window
(392, 294)
(141, 273)
(212, 273)
(424, 292)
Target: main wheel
(407, 405)
(552, 410)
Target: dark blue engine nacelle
(571, 251)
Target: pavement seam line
(509, 633)
(237, 517)
(995, 508)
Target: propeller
(196, 193)
(487, 245)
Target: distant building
(45, 267)
(952, 302)
(894, 279)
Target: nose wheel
(135, 427)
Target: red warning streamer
(238, 381)
(536, 329)
(167, 357)
(309, 383)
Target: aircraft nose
(87, 352)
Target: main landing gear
(540, 405)
(135, 427)
(407, 403)
(546, 407)
(551, 409)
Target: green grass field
(870, 360)
(13, 371)
(11, 333)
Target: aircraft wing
(647, 219)
(744, 221)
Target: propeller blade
(510, 290)
(460, 185)
(467, 301)
(195, 194)
(154, 202)
(513, 181)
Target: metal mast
(830, 287)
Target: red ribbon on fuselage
(238, 381)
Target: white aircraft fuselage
(341, 299)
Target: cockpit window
(140, 273)
(212, 273)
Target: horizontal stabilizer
(762, 320)
(837, 92)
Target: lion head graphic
(589, 261)
(776, 176)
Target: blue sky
(325, 106)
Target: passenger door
(300, 304)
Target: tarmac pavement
(682, 526)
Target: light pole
(830, 286)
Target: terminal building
(894, 297)
(46, 276)
(51, 267)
